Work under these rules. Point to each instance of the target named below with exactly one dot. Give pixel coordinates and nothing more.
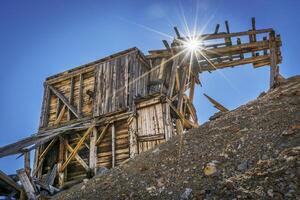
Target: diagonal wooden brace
(102, 134)
(65, 101)
(73, 153)
(77, 157)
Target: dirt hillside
(252, 152)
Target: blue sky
(42, 38)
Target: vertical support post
(133, 128)
(252, 37)
(45, 106)
(179, 127)
(27, 162)
(61, 155)
(192, 89)
(273, 60)
(168, 122)
(113, 145)
(162, 74)
(93, 152)
(172, 78)
(71, 97)
(36, 161)
(26, 183)
(182, 88)
(80, 91)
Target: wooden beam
(191, 109)
(186, 123)
(102, 134)
(182, 88)
(227, 39)
(76, 156)
(236, 63)
(172, 77)
(49, 146)
(177, 32)
(27, 162)
(45, 107)
(27, 185)
(113, 145)
(64, 100)
(93, 151)
(42, 156)
(7, 179)
(60, 116)
(230, 50)
(179, 128)
(51, 176)
(236, 34)
(177, 82)
(71, 97)
(58, 108)
(36, 159)
(273, 60)
(192, 89)
(217, 29)
(148, 138)
(238, 41)
(167, 45)
(216, 104)
(80, 92)
(253, 29)
(73, 153)
(61, 155)
(133, 134)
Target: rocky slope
(252, 152)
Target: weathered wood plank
(51, 176)
(216, 104)
(273, 60)
(27, 185)
(61, 155)
(71, 97)
(113, 144)
(133, 143)
(45, 107)
(27, 162)
(80, 93)
(60, 116)
(172, 77)
(93, 152)
(182, 88)
(7, 179)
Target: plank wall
(104, 149)
(118, 82)
(151, 131)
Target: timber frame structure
(103, 113)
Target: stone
(102, 170)
(270, 193)
(210, 169)
(85, 180)
(243, 166)
(186, 194)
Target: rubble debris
(273, 161)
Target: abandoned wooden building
(105, 112)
